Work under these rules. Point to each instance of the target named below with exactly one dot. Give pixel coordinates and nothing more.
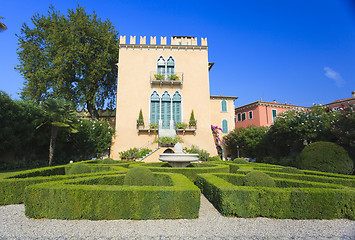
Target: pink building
(342, 103)
(261, 113)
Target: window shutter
(225, 126)
(224, 105)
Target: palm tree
(2, 26)
(59, 115)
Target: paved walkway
(210, 225)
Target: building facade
(166, 82)
(261, 113)
(342, 103)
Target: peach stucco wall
(217, 115)
(134, 90)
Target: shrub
(291, 170)
(134, 153)
(258, 179)
(203, 155)
(79, 168)
(173, 197)
(326, 157)
(240, 161)
(214, 158)
(108, 161)
(270, 160)
(139, 176)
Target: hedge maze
(99, 191)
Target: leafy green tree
(58, 115)
(17, 129)
(2, 26)
(247, 140)
(70, 57)
(292, 130)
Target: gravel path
(210, 225)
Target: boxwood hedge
(105, 197)
(190, 172)
(290, 199)
(12, 185)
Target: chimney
(353, 94)
(274, 101)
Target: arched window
(177, 107)
(166, 110)
(170, 65)
(161, 65)
(154, 107)
(225, 126)
(224, 105)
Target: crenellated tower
(166, 79)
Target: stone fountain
(178, 159)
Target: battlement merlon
(174, 41)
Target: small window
(239, 117)
(235, 119)
(224, 105)
(274, 114)
(250, 114)
(225, 126)
(243, 116)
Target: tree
(58, 115)
(2, 26)
(248, 140)
(70, 57)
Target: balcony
(163, 79)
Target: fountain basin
(178, 160)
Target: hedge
(97, 198)
(99, 167)
(189, 172)
(348, 182)
(12, 185)
(294, 203)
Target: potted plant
(174, 77)
(140, 121)
(153, 126)
(181, 126)
(192, 122)
(159, 76)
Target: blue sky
(300, 52)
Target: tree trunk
(54, 132)
(92, 110)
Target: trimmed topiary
(326, 157)
(108, 161)
(79, 168)
(258, 179)
(240, 161)
(139, 176)
(291, 170)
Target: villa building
(342, 103)
(261, 113)
(166, 82)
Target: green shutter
(224, 105)
(154, 108)
(239, 117)
(177, 108)
(225, 126)
(166, 110)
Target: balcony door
(166, 110)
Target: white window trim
(272, 115)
